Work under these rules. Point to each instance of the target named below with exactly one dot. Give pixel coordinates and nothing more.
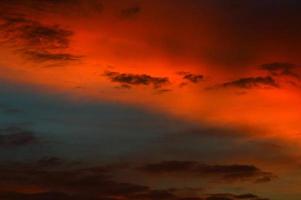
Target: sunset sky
(150, 100)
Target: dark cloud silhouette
(36, 196)
(79, 7)
(45, 37)
(221, 172)
(227, 196)
(18, 28)
(194, 78)
(152, 195)
(36, 41)
(55, 178)
(281, 68)
(249, 83)
(246, 196)
(136, 79)
(76, 181)
(47, 56)
(15, 136)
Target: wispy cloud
(281, 68)
(194, 78)
(37, 41)
(56, 180)
(236, 172)
(136, 79)
(249, 83)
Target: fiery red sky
(150, 100)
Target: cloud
(52, 174)
(281, 68)
(33, 34)
(15, 136)
(47, 56)
(36, 41)
(249, 83)
(194, 78)
(152, 195)
(227, 196)
(54, 178)
(36, 196)
(221, 172)
(40, 36)
(136, 79)
(75, 7)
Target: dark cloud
(36, 41)
(227, 196)
(47, 56)
(136, 79)
(221, 172)
(281, 68)
(130, 12)
(246, 196)
(36, 196)
(53, 174)
(34, 35)
(152, 195)
(194, 78)
(249, 83)
(45, 37)
(49, 174)
(15, 136)
(79, 7)
(59, 179)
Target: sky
(150, 100)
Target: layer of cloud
(78, 7)
(221, 172)
(194, 78)
(153, 195)
(249, 83)
(281, 68)
(54, 178)
(127, 79)
(47, 56)
(36, 41)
